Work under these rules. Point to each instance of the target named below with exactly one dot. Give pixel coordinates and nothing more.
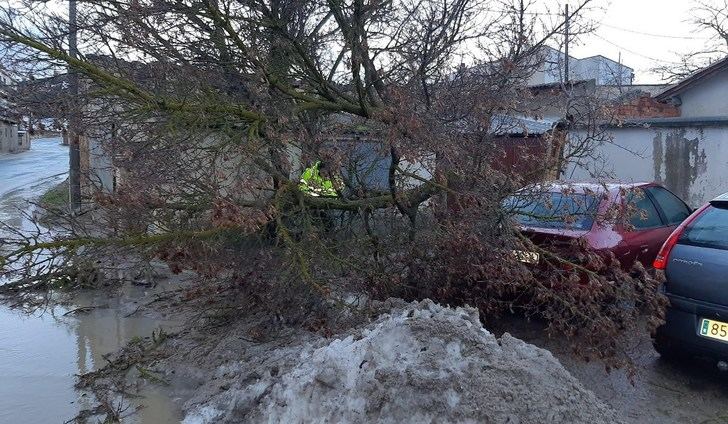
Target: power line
(636, 53)
(525, 13)
(633, 31)
(650, 34)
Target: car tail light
(661, 258)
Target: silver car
(695, 261)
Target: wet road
(25, 176)
(40, 354)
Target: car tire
(666, 350)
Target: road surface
(41, 353)
(25, 176)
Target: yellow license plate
(527, 257)
(714, 329)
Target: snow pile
(423, 363)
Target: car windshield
(574, 211)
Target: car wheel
(666, 350)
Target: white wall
(605, 71)
(692, 162)
(551, 69)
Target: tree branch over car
(211, 111)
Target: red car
(563, 211)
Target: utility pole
(74, 124)
(619, 72)
(566, 44)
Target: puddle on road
(41, 354)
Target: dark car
(695, 260)
(561, 212)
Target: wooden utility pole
(566, 44)
(74, 124)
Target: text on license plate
(714, 329)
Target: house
(678, 137)
(702, 94)
(551, 69)
(12, 138)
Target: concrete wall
(4, 139)
(367, 166)
(690, 161)
(9, 140)
(23, 140)
(706, 98)
(97, 170)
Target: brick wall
(645, 106)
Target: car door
(641, 242)
(672, 210)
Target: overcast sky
(647, 33)
(625, 25)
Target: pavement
(688, 391)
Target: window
(573, 211)
(710, 229)
(645, 213)
(675, 209)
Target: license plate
(714, 329)
(527, 257)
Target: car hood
(546, 235)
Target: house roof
(599, 56)
(693, 79)
(679, 121)
(520, 125)
(572, 83)
(8, 119)
(626, 92)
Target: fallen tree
(210, 110)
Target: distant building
(12, 137)
(551, 68)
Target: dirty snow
(420, 363)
